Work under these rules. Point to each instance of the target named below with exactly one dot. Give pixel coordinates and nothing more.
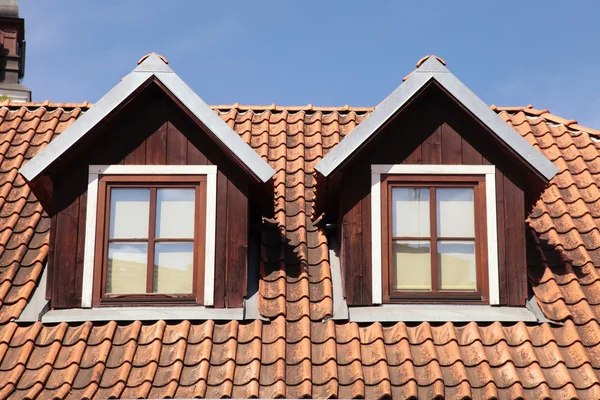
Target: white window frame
(210, 171)
(489, 171)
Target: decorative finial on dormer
(422, 60)
(141, 60)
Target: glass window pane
(173, 267)
(456, 264)
(410, 212)
(411, 265)
(126, 268)
(129, 213)
(175, 213)
(455, 212)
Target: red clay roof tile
(296, 354)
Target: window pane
(129, 213)
(175, 213)
(173, 268)
(410, 212)
(456, 263)
(126, 268)
(411, 265)
(455, 212)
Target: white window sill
(440, 313)
(142, 314)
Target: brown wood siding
(514, 243)
(151, 130)
(66, 226)
(431, 130)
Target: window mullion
(151, 235)
(433, 234)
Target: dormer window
(430, 234)
(152, 196)
(441, 218)
(152, 241)
(150, 235)
(434, 238)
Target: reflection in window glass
(456, 265)
(129, 213)
(173, 267)
(410, 212)
(126, 268)
(455, 212)
(175, 213)
(411, 265)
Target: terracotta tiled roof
(24, 226)
(296, 279)
(298, 351)
(273, 360)
(564, 224)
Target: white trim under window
(210, 171)
(490, 201)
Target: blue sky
(320, 52)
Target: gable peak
(431, 64)
(141, 60)
(428, 64)
(432, 68)
(153, 62)
(427, 57)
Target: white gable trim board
(152, 66)
(490, 201)
(210, 171)
(430, 70)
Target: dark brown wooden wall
(431, 130)
(149, 130)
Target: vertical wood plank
(470, 156)
(196, 138)
(156, 147)
(521, 248)
(237, 246)
(65, 256)
(51, 263)
(76, 300)
(195, 156)
(353, 241)
(176, 146)
(130, 129)
(415, 157)
(411, 138)
(367, 270)
(353, 254)
(220, 244)
(451, 145)
(432, 148)
(502, 267)
(137, 156)
(514, 234)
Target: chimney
(12, 53)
